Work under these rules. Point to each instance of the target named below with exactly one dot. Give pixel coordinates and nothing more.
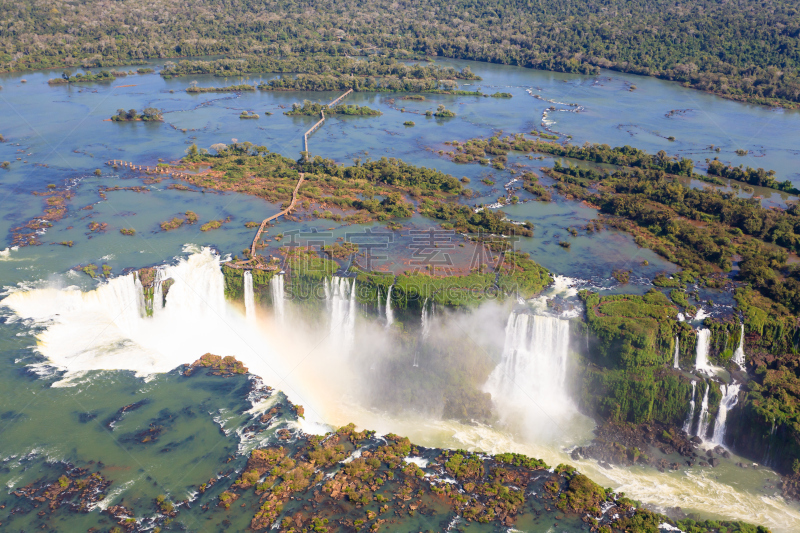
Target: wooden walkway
(169, 172)
(314, 128)
(158, 170)
(333, 103)
(273, 217)
(318, 125)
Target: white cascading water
(107, 328)
(702, 424)
(278, 297)
(729, 400)
(340, 295)
(158, 291)
(103, 329)
(687, 426)
(141, 305)
(738, 355)
(676, 363)
(426, 319)
(532, 370)
(703, 344)
(389, 312)
(249, 297)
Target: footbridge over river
(321, 121)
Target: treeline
(700, 230)
(331, 82)
(623, 156)
(759, 177)
(339, 66)
(230, 88)
(88, 76)
(464, 220)
(747, 50)
(388, 171)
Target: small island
(246, 114)
(442, 112)
(148, 114)
(310, 109)
(87, 76)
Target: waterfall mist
(476, 372)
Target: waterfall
(738, 355)
(158, 291)
(249, 297)
(340, 295)
(687, 426)
(278, 297)
(729, 400)
(533, 365)
(702, 425)
(426, 319)
(675, 363)
(140, 304)
(703, 342)
(199, 287)
(389, 312)
(107, 328)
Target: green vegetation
(80, 77)
(314, 109)
(409, 123)
(245, 114)
(502, 95)
(759, 177)
(148, 114)
(464, 220)
(628, 378)
(442, 112)
(229, 89)
(214, 224)
(723, 49)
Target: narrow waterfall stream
(278, 298)
(703, 343)
(389, 312)
(249, 297)
(729, 399)
(687, 426)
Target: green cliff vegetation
(627, 376)
(234, 283)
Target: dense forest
(745, 50)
